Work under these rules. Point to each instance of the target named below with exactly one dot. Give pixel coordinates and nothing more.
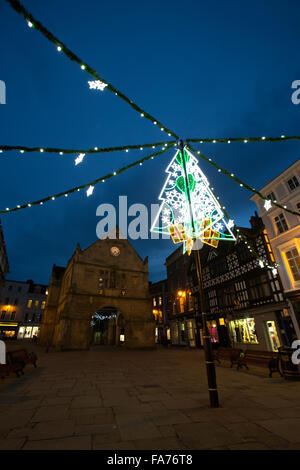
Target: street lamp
(209, 360)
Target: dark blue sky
(205, 69)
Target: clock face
(115, 251)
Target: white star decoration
(90, 191)
(230, 223)
(268, 204)
(79, 158)
(97, 85)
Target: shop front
(8, 330)
(257, 331)
(28, 332)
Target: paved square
(110, 398)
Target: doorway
(104, 326)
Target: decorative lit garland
(245, 140)
(95, 150)
(61, 47)
(89, 185)
(243, 184)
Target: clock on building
(115, 251)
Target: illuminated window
(29, 303)
(181, 304)
(243, 330)
(269, 247)
(294, 262)
(154, 302)
(159, 300)
(36, 303)
(281, 223)
(293, 183)
(43, 305)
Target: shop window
(243, 330)
(281, 224)
(212, 326)
(294, 262)
(293, 183)
(273, 335)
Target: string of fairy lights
(100, 84)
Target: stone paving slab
(109, 398)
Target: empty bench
(229, 354)
(269, 359)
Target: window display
(243, 330)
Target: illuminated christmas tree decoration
(79, 159)
(268, 204)
(89, 191)
(189, 210)
(97, 85)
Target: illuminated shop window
(243, 330)
(294, 262)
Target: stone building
(101, 297)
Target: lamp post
(209, 360)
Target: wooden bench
(269, 359)
(4, 370)
(17, 360)
(229, 354)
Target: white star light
(97, 85)
(268, 204)
(230, 223)
(90, 191)
(79, 158)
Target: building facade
(245, 303)
(101, 297)
(4, 267)
(158, 292)
(283, 230)
(22, 305)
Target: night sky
(204, 69)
